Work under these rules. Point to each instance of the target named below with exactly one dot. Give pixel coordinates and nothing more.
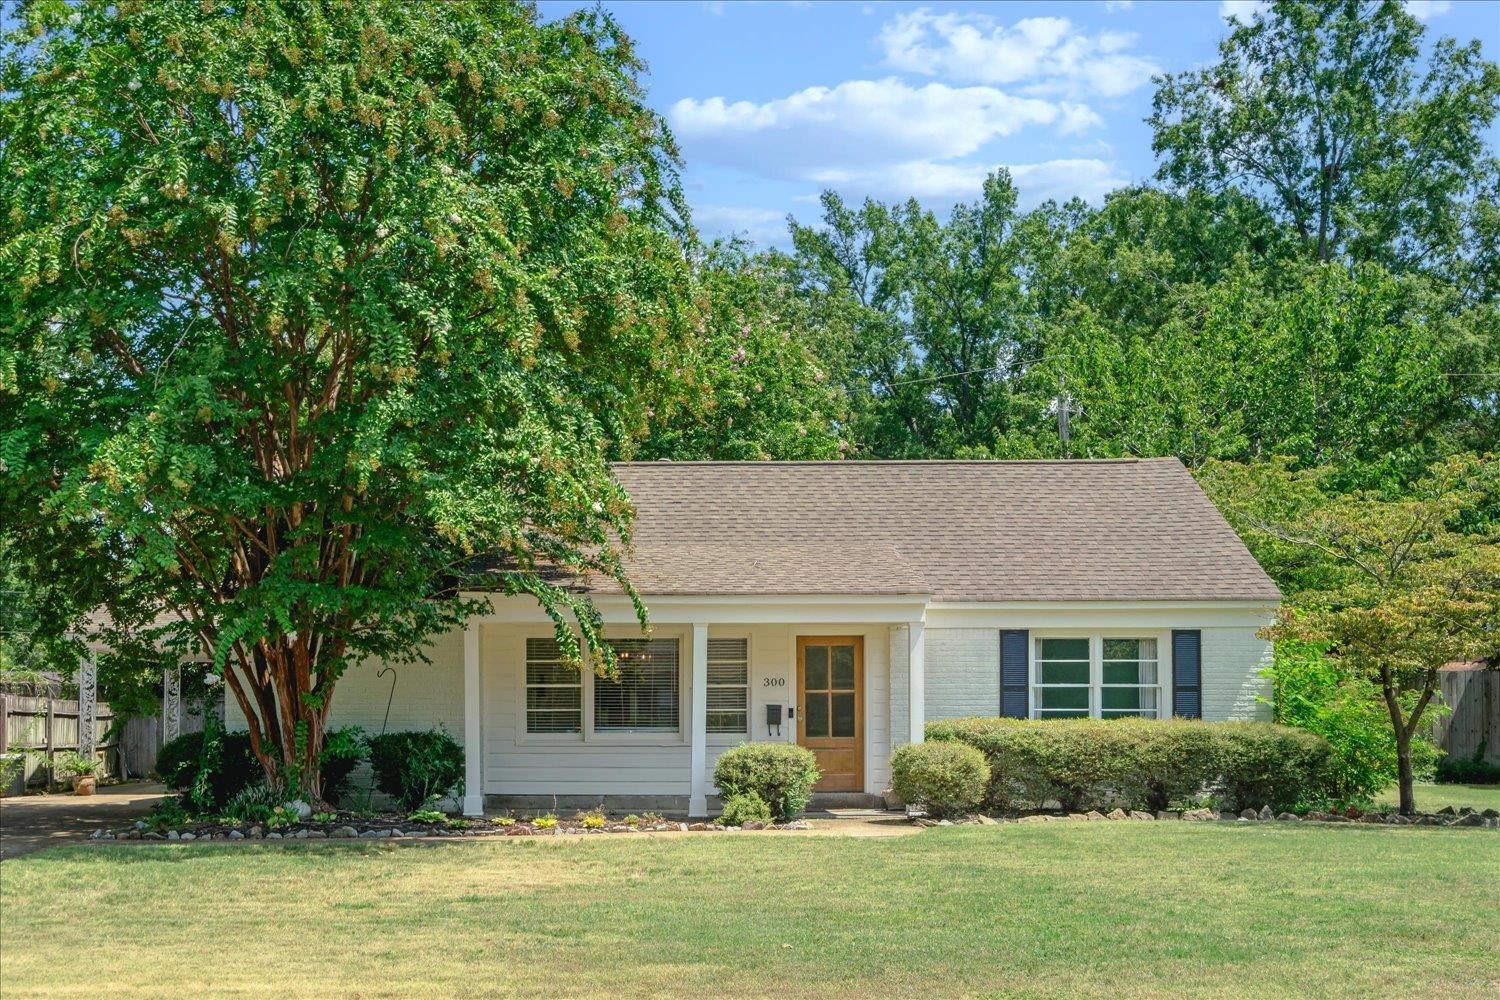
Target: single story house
(842, 605)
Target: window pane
(1117, 672)
(644, 697)
(550, 673)
(1063, 649)
(1069, 713)
(1122, 649)
(816, 667)
(554, 697)
(726, 722)
(1115, 699)
(554, 722)
(1064, 673)
(815, 721)
(843, 668)
(1069, 697)
(726, 673)
(843, 714)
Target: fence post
(5, 723)
(47, 744)
(88, 705)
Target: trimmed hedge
(782, 774)
(948, 778)
(415, 767)
(1142, 763)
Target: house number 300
(773, 682)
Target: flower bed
(350, 826)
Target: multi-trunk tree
(313, 309)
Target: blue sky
(773, 102)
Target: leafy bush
(546, 822)
(1141, 763)
(746, 807)
(415, 767)
(1473, 771)
(75, 764)
(169, 812)
(1316, 693)
(254, 804)
(428, 816)
(782, 774)
(948, 778)
(179, 760)
(592, 819)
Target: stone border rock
(394, 828)
(1447, 816)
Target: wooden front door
(831, 710)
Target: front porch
(843, 676)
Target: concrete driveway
(33, 822)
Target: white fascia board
(749, 610)
(1102, 614)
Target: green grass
(1099, 909)
(1431, 797)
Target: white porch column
(473, 725)
(698, 731)
(916, 684)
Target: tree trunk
(287, 725)
(1404, 773)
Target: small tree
(1407, 591)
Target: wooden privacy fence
(43, 726)
(141, 739)
(1472, 691)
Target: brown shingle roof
(1129, 530)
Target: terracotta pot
(83, 784)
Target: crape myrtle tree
(314, 308)
(1408, 582)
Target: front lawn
(1432, 797)
(1068, 909)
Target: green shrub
(947, 778)
(1141, 763)
(1315, 692)
(415, 767)
(782, 774)
(254, 804)
(168, 813)
(743, 808)
(1474, 770)
(179, 760)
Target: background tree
(312, 309)
(751, 386)
(1322, 111)
(1406, 590)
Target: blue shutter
(1013, 684)
(1187, 673)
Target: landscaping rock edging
(1448, 816)
(394, 829)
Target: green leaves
(321, 308)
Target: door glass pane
(843, 668)
(816, 668)
(815, 721)
(843, 714)
(1065, 673)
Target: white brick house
(843, 605)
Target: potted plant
(83, 770)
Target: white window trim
(610, 737)
(1096, 639)
(734, 739)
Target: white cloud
(765, 226)
(867, 122)
(1426, 10)
(1110, 6)
(942, 184)
(1245, 10)
(1046, 55)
